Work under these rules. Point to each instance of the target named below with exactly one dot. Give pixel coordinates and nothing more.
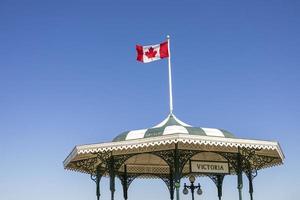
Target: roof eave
(70, 157)
(174, 138)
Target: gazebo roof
(163, 137)
(171, 125)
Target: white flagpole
(170, 76)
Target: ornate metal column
(250, 178)
(90, 166)
(218, 180)
(219, 185)
(125, 183)
(176, 159)
(126, 180)
(169, 181)
(171, 187)
(97, 179)
(239, 174)
(253, 162)
(177, 171)
(112, 176)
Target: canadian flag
(151, 53)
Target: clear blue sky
(68, 76)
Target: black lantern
(192, 187)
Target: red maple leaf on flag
(151, 53)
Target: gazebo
(172, 150)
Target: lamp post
(192, 187)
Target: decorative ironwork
(171, 157)
(259, 161)
(126, 181)
(120, 160)
(251, 175)
(250, 160)
(252, 163)
(167, 156)
(111, 170)
(245, 160)
(104, 157)
(96, 178)
(231, 158)
(169, 181)
(87, 165)
(183, 157)
(218, 180)
(237, 162)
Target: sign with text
(209, 167)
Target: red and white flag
(151, 53)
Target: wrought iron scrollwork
(218, 180)
(87, 165)
(127, 180)
(169, 182)
(167, 156)
(120, 160)
(250, 160)
(96, 178)
(104, 157)
(185, 156)
(231, 158)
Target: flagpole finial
(168, 36)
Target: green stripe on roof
(195, 131)
(121, 137)
(153, 132)
(227, 134)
